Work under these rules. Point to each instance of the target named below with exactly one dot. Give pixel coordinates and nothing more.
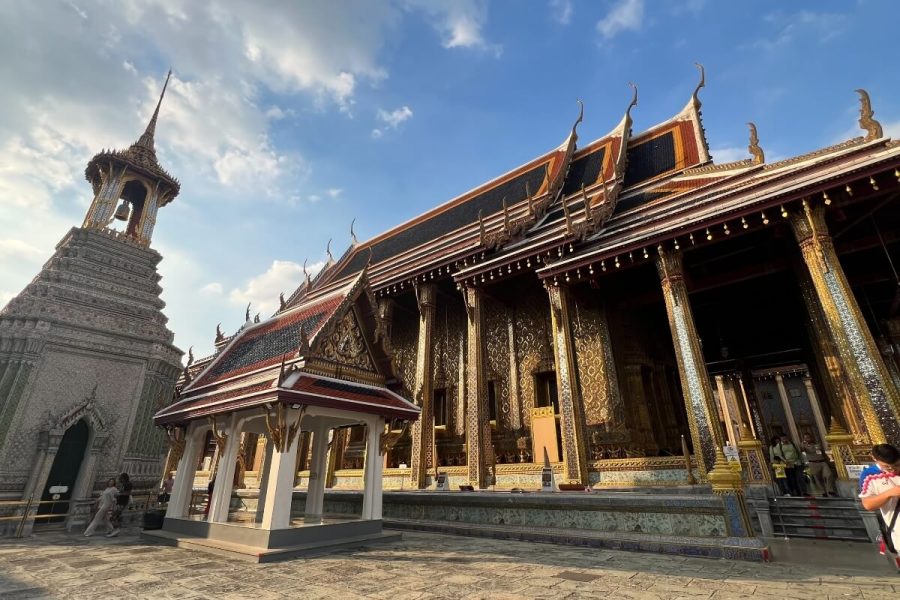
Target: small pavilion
(318, 366)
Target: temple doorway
(64, 473)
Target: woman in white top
(881, 491)
(105, 504)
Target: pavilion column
(869, 379)
(264, 470)
(277, 500)
(183, 486)
(706, 431)
(315, 490)
(816, 409)
(373, 470)
(221, 500)
(423, 429)
(336, 457)
(570, 403)
(788, 411)
(478, 427)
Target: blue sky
(285, 120)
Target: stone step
(709, 547)
(817, 518)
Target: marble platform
(249, 542)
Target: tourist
(819, 471)
(104, 504)
(209, 492)
(122, 500)
(784, 450)
(881, 491)
(166, 488)
(781, 477)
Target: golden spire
(147, 138)
(759, 157)
(867, 117)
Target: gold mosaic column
(837, 385)
(478, 428)
(423, 429)
(869, 379)
(570, 405)
(706, 431)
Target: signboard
(443, 482)
(58, 489)
(731, 453)
(854, 471)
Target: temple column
(373, 470)
(786, 407)
(869, 379)
(264, 470)
(706, 432)
(221, 500)
(422, 431)
(315, 490)
(570, 403)
(478, 427)
(277, 500)
(183, 487)
(336, 456)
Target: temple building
(616, 307)
(85, 354)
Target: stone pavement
(59, 565)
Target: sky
(285, 120)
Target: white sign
(854, 471)
(731, 453)
(59, 489)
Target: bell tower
(86, 342)
(135, 178)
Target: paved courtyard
(57, 565)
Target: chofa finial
(353, 240)
(190, 359)
(634, 99)
(281, 302)
(305, 272)
(256, 318)
(700, 84)
(759, 157)
(579, 119)
(219, 335)
(247, 312)
(867, 120)
(328, 252)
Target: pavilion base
(252, 544)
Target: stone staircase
(817, 518)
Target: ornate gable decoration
(346, 345)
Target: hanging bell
(122, 212)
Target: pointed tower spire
(147, 138)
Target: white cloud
(215, 288)
(395, 117)
(729, 154)
(262, 290)
(562, 11)
(460, 23)
(20, 250)
(824, 26)
(334, 192)
(623, 16)
(377, 133)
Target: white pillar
(221, 500)
(280, 484)
(373, 449)
(788, 413)
(266, 468)
(183, 487)
(816, 410)
(315, 490)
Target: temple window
(492, 401)
(545, 390)
(440, 407)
